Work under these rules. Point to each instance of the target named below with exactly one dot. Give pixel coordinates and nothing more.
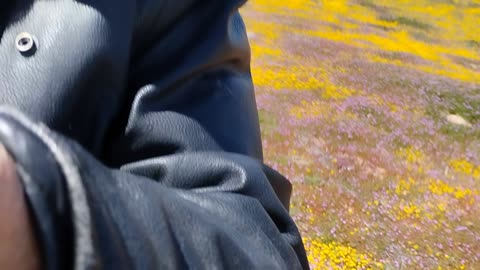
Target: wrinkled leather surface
(150, 154)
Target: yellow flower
(465, 167)
(411, 155)
(439, 187)
(333, 255)
(403, 187)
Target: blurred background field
(372, 110)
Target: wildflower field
(372, 110)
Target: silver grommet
(25, 42)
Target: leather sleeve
(191, 85)
(193, 124)
(191, 191)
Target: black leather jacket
(134, 128)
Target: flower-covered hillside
(372, 110)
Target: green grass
(406, 21)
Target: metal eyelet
(25, 43)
